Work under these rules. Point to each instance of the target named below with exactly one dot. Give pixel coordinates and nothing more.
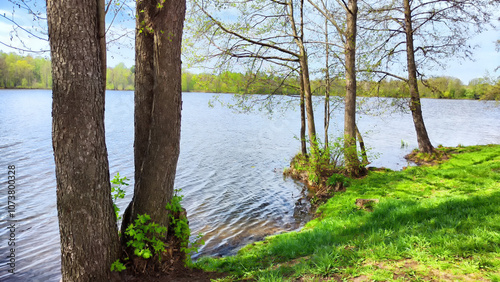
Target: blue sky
(121, 29)
(486, 58)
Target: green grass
(439, 223)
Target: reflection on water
(229, 170)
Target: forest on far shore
(18, 71)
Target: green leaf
(146, 253)
(118, 266)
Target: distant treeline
(120, 77)
(230, 82)
(27, 72)
(24, 72)
(435, 87)
(18, 71)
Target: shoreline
(427, 223)
(289, 95)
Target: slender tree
(87, 224)
(298, 36)
(269, 31)
(424, 143)
(327, 84)
(348, 36)
(302, 118)
(423, 34)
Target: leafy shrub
(146, 237)
(336, 178)
(181, 227)
(117, 192)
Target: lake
(230, 166)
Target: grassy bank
(439, 223)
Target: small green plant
(118, 266)
(146, 237)
(336, 178)
(404, 144)
(181, 227)
(313, 200)
(314, 177)
(175, 204)
(117, 192)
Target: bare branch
(385, 73)
(249, 40)
(24, 50)
(25, 30)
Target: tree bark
(143, 100)
(101, 17)
(303, 144)
(87, 222)
(362, 147)
(351, 155)
(158, 102)
(298, 35)
(311, 128)
(144, 88)
(327, 85)
(424, 144)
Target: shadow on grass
(446, 213)
(397, 229)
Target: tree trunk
(303, 144)
(351, 155)
(327, 85)
(158, 102)
(362, 147)
(143, 100)
(87, 222)
(424, 144)
(304, 71)
(144, 84)
(101, 17)
(311, 128)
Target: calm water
(229, 168)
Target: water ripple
(229, 168)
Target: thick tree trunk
(144, 89)
(158, 102)
(424, 144)
(87, 222)
(143, 100)
(351, 155)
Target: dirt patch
(367, 204)
(361, 278)
(410, 270)
(181, 274)
(438, 156)
(334, 277)
(318, 191)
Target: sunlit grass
(440, 223)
